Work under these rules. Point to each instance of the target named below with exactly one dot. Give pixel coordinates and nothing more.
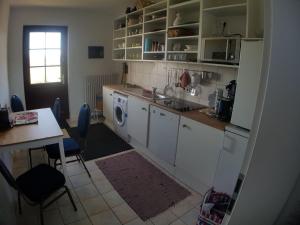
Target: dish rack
(213, 208)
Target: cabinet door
(198, 150)
(163, 132)
(108, 104)
(230, 162)
(248, 81)
(138, 116)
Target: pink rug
(146, 189)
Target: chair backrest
(56, 109)
(84, 120)
(16, 104)
(7, 175)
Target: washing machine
(120, 105)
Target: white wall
(86, 27)
(150, 74)
(4, 16)
(275, 142)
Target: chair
(37, 185)
(56, 112)
(16, 104)
(71, 147)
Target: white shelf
(135, 25)
(234, 9)
(155, 32)
(157, 52)
(155, 5)
(221, 38)
(184, 37)
(156, 20)
(156, 11)
(120, 29)
(196, 25)
(135, 35)
(137, 47)
(187, 52)
(184, 4)
(119, 38)
(135, 12)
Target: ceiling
(113, 5)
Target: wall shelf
(184, 37)
(135, 25)
(155, 12)
(201, 20)
(196, 25)
(155, 20)
(184, 4)
(155, 32)
(233, 10)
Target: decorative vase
(177, 20)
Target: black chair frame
(41, 204)
(78, 159)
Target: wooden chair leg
(81, 159)
(71, 198)
(19, 203)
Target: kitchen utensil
(195, 80)
(185, 79)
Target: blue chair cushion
(70, 145)
(40, 182)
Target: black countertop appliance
(225, 104)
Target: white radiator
(93, 87)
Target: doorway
(45, 63)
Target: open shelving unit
(175, 31)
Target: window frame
(26, 54)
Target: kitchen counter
(194, 115)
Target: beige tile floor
(97, 201)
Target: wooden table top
(47, 127)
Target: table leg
(62, 156)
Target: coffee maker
(224, 105)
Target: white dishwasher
(163, 132)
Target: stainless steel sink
(161, 97)
(146, 94)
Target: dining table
(44, 132)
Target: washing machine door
(119, 116)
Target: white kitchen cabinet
(198, 150)
(231, 159)
(138, 117)
(163, 132)
(108, 104)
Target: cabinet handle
(162, 114)
(144, 109)
(110, 94)
(186, 126)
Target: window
(45, 57)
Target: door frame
(64, 63)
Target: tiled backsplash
(149, 74)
